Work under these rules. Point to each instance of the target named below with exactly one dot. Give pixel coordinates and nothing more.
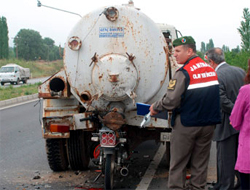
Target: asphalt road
(24, 164)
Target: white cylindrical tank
(115, 54)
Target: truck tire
(2, 83)
(18, 81)
(56, 154)
(78, 154)
(24, 81)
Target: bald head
(216, 55)
(218, 51)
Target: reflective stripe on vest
(200, 73)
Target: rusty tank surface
(114, 57)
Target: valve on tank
(111, 14)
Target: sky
(203, 20)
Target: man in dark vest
(193, 98)
(230, 79)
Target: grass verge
(24, 90)
(37, 68)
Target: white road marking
(148, 176)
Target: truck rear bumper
(73, 121)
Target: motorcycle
(111, 151)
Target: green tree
(237, 59)
(225, 48)
(11, 53)
(244, 30)
(236, 50)
(49, 45)
(29, 44)
(50, 50)
(49, 41)
(210, 44)
(203, 47)
(4, 39)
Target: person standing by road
(231, 79)
(240, 120)
(193, 97)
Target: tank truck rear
(114, 57)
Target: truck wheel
(56, 154)
(168, 154)
(24, 81)
(109, 171)
(18, 81)
(2, 83)
(77, 151)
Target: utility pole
(16, 44)
(16, 50)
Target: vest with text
(200, 103)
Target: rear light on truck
(59, 128)
(108, 139)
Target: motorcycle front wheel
(109, 171)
